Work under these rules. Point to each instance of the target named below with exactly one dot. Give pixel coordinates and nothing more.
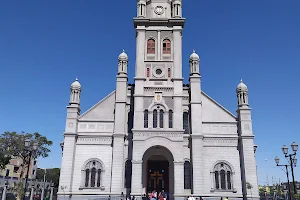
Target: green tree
(52, 175)
(14, 143)
(4, 156)
(261, 192)
(297, 196)
(249, 187)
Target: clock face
(159, 10)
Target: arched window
(222, 176)
(166, 46)
(154, 118)
(186, 122)
(146, 118)
(93, 177)
(87, 177)
(161, 119)
(187, 175)
(170, 119)
(92, 174)
(151, 46)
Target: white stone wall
(83, 154)
(65, 178)
(214, 154)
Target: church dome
(194, 56)
(76, 84)
(123, 56)
(242, 87)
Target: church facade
(158, 133)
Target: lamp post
(287, 175)
(31, 148)
(292, 160)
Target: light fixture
(276, 160)
(62, 146)
(35, 146)
(285, 149)
(255, 147)
(294, 147)
(27, 142)
(294, 161)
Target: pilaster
(136, 183)
(246, 148)
(118, 162)
(140, 77)
(178, 178)
(196, 125)
(177, 80)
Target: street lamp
(292, 160)
(294, 147)
(277, 160)
(31, 149)
(287, 175)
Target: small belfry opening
(158, 171)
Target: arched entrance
(158, 170)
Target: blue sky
(44, 45)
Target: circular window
(159, 10)
(158, 71)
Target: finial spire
(123, 51)
(194, 51)
(241, 80)
(76, 79)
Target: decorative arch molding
(167, 38)
(163, 105)
(151, 37)
(222, 161)
(158, 141)
(185, 110)
(93, 159)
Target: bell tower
(158, 84)
(158, 67)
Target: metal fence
(34, 192)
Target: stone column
(198, 178)
(43, 192)
(67, 161)
(31, 193)
(158, 52)
(177, 79)
(179, 180)
(136, 182)
(140, 51)
(4, 191)
(139, 79)
(51, 193)
(118, 165)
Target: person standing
(155, 194)
(164, 195)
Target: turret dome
(123, 56)
(242, 87)
(194, 56)
(76, 84)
